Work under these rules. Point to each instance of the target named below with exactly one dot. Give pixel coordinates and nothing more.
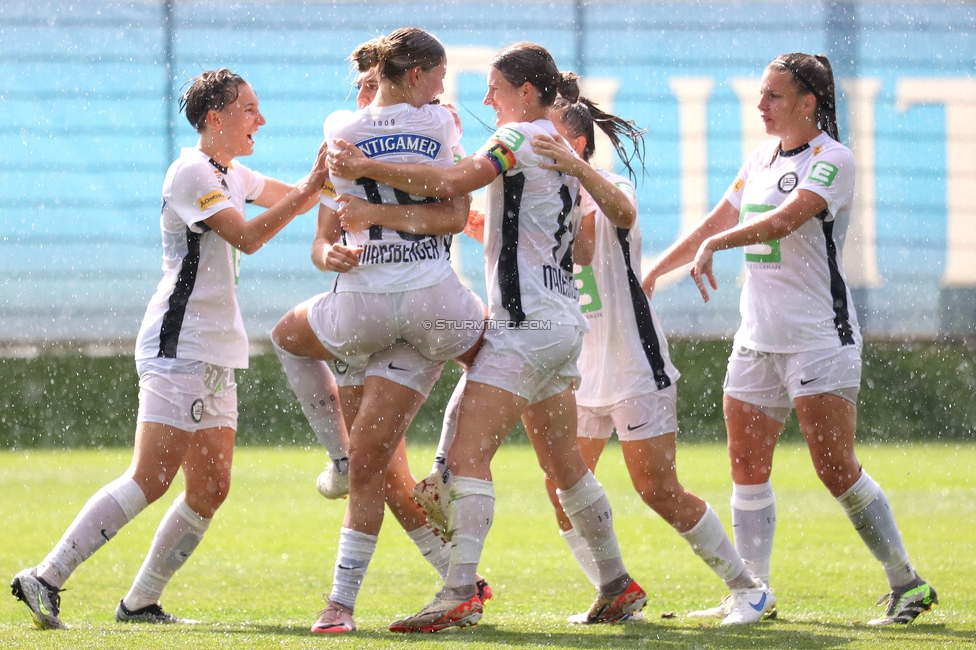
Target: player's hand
(320, 168)
(346, 160)
(564, 159)
(341, 258)
(353, 213)
(475, 227)
(701, 268)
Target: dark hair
(401, 50)
(528, 62)
(813, 74)
(580, 115)
(209, 91)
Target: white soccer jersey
(625, 353)
(530, 223)
(194, 312)
(391, 260)
(796, 296)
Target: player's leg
(207, 469)
(303, 358)
(828, 423)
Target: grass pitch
(256, 580)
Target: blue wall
(85, 136)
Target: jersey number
(372, 190)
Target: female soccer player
(394, 276)
(798, 345)
(528, 361)
(628, 379)
(192, 338)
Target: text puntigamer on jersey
(385, 145)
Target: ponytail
(813, 74)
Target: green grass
(257, 578)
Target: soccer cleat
(331, 484)
(441, 614)
(747, 606)
(149, 614)
(432, 495)
(905, 606)
(336, 618)
(484, 590)
(722, 610)
(580, 619)
(614, 609)
(43, 600)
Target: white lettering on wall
(958, 95)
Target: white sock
(100, 519)
(868, 509)
(588, 509)
(710, 542)
(472, 508)
(448, 429)
(355, 551)
(316, 389)
(434, 549)
(577, 545)
(178, 535)
(753, 526)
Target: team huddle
(580, 353)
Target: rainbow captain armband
(499, 154)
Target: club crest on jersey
(787, 182)
(385, 145)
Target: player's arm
(328, 254)
(799, 208)
(444, 217)
(250, 236)
(275, 190)
(585, 241)
(612, 201)
(468, 175)
(683, 251)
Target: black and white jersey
(531, 221)
(796, 297)
(194, 312)
(625, 353)
(393, 261)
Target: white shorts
(354, 325)
(646, 416)
(401, 364)
(188, 395)
(533, 364)
(774, 380)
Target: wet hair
(393, 55)
(813, 74)
(209, 91)
(528, 62)
(580, 116)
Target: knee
(657, 493)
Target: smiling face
(507, 100)
(367, 84)
(785, 112)
(235, 125)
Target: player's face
(505, 98)
(366, 87)
(780, 105)
(239, 121)
(430, 83)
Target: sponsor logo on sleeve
(824, 173)
(206, 201)
(737, 185)
(329, 190)
(509, 137)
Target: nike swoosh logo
(759, 606)
(804, 382)
(392, 367)
(634, 428)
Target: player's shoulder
(826, 148)
(339, 120)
